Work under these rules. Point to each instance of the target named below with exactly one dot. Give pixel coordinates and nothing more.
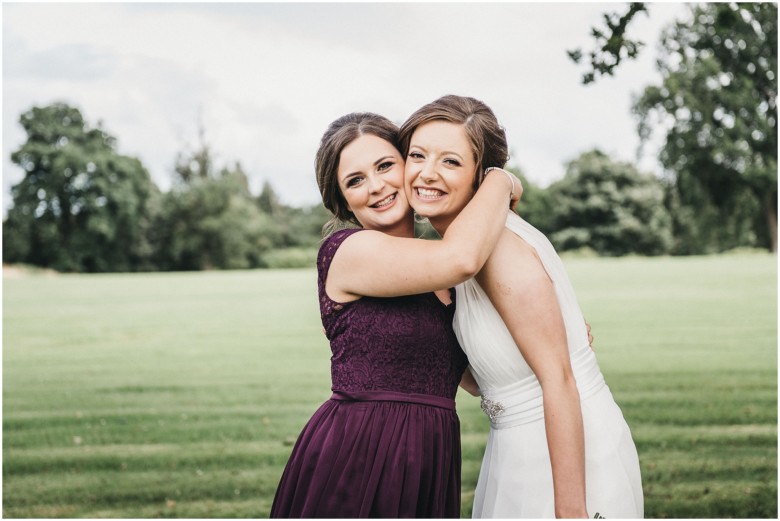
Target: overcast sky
(265, 79)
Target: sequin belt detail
(521, 402)
(393, 396)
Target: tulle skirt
(375, 454)
(515, 480)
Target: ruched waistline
(393, 396)
(521, 402)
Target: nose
(375, 183)
(428, 172)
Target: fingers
(517, 190)
(590, 336)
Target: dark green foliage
(209, 219)
(612, 44)
(294, 226)
(81, 206)
(609, 207)
(268, 201)
(700, 227)
(535, 204)
(303, 226)
(718, 90)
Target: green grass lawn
(180, 395)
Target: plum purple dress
(387, 443)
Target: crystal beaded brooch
(491, 408)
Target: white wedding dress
(515, 480)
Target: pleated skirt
(515, 479)
(375, 454)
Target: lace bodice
(404, 344)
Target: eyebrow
(381, 159)
(376, 163)
(414, 145)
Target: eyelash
(417, 155)
(353, 181)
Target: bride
(558, 443)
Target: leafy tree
(268, 201)
(535, 204)
(609, 207)
(297, 227)
(612, 44)
(700, 228)
(191, 167)
(718, 92)
(81, 205)
(209, 219)
(304, 225)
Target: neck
(441, 224)
(404, 228)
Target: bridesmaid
(387, 442)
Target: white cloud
(266, 79)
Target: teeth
(385, 202)
(425, 192)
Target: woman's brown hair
(341, 133)
(488, 139)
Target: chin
(425, 211)
(394, 220)
(431, 214)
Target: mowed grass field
(180, 395)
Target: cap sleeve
(325, 256)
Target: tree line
(717, 100)
(84, 207)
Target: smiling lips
(384, 202)
(429, 193)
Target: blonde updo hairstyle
(487, 137)
(339, 134)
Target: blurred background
(147, 138)
(141, 137)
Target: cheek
(464, 194)
(410, 174)
(409, 169)
(349, 200)
(397, 177)
(409, 177)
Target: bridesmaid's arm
(521, 291)
(375, 264)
